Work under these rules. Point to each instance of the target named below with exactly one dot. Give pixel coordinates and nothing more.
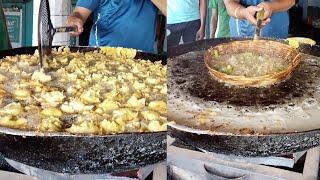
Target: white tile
(58, 21)
(34, 43)
(35, 27)
(61, 37)
(36, 4)
(57, 7)
(59, 10)
(60, 7)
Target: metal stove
(17, 171)
(187, 163)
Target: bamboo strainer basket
(266, 47)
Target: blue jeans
(186, 30)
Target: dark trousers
(186, 30)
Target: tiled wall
(59, 9)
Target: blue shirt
(277, 28)
(182, 11)
(122, 23)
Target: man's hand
(76, 22)
(200, 33)
(267, 9)
(235, 9)
(77, 19)
(249, 14)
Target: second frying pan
(247, 122)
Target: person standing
(4, 38)
(243, 21)
(186, 20)
(219, 23)
(119, 23)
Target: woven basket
(266, 47)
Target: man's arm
(235, 9)
(203, 14)
(276, 6)
(161, 5)
(78, 17)
(280, 5)
(213, 23)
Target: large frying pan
(79, 154)
(193, 94)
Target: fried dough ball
(123, 115)
(158, 106)
(22, 94)
(109, 106)
(150, 115)
(90, 96)
(13, 109)
(75, 106)
(40, 76)
(2, 78)
(84, 127)
(110, 127)
(52, 99)
(13, 122)
(5, 66)
(134, 102)
(51, 112)
(154, 126)
(3, 94)
(50, 124)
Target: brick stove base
(189, 164)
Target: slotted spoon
(46, 32)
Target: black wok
(79, 154)
(193, 94)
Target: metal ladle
(259, 16)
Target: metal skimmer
(46, 31)
(260, 15)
